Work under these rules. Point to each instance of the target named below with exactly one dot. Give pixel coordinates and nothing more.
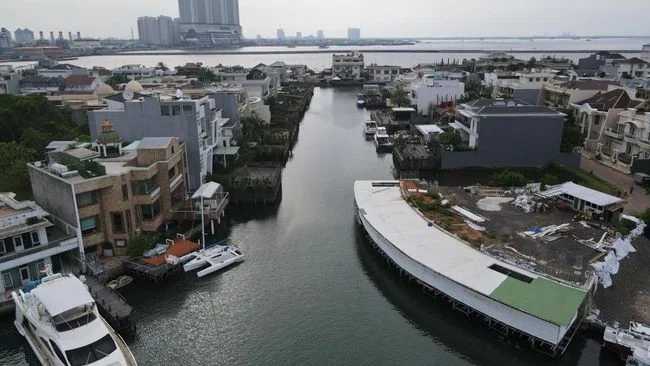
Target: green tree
(256, 74)
(450, 138)
(531, 63)
(140, 244)
(508, 179)
(161, 66)
(207, 76)
(572, 136)
(116, 80)
(400, 97)
(13, 165)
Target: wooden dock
(112, 306)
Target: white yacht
(370, 128)
(633, 342)
(60, 321)
(382, 139)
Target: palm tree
(161, 66)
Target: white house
(431, 91)
(383, 73)
(133, 71)
(633, 68)
(347, 65)
(82, 83)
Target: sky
(376, 18)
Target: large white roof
(389, 213)
(581, 192)
(206, 190)
(426, 129)
(61, 295)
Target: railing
(36, 249)
(613, 133)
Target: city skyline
(257, 17)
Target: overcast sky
(376, 18)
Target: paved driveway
(637, 202)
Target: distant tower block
(78, 35)
(51, 36)
(60, 35)
(41, 35)
(70, 36)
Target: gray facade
(505, 141)
(145, 119)
(229, 104)
(593, 62)
(54, 195)
(530, 96)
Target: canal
(311, 291)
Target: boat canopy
(207, 190)
(62, 295)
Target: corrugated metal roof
(581, 192)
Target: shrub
(507, 179)
(140, 244)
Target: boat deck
(384, 208)
(178, 249)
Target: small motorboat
(120, 282)
(361, 100)
(370, 128)
(383, 142)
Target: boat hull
(219, 266)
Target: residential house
(9, 80)
(645, 52)
(40, 84)
(431, 91)
(134, 71)
(111, 193)
(82, 83)
(31, 240)
(383, 73)
(194, 121)
(507, 133)
(627, 141)
(523, 86)
(591, 65)
(62, 70)
(598, 114)
(563, 94)
(633, 68)
(347, 66)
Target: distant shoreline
(390, 50)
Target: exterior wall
(512, 142)
(54, 195)
(524, 322)
(436, 92)
(144, 119)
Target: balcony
(41, 251)
(644, 143)
(612, 132)
(152, 225)
(630, 138)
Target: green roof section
(542, 298)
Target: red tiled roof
(74, 80)
(617, 98)
(588, 84)
(633, 60)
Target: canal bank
(311, 291)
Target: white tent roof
(206, 190)
(581, 192)
(61, 295)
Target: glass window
(58, 352)
(89, 225)
(27, 241)
(91, 353)
(7, 245)
(118, 222)
(164, 110)
(9, 283)
(187, 108)
(35, 239)
(125, 192)
(144, 187)
(150, 212)
(176, 110)
(18, 241)
(172, 172)
(86, 199)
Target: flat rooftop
(386, 210)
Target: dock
(159, 267)
(112, 306)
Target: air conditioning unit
(59, 169)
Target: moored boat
(60, 321)
(625, 342)
(370, 128)
(383, 142)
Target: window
(172, 172)
(530, 80)
(128, 219)
(27, 241)
(89, 225)
(164, 110)
(125, 192)
(537, 79)
(545, 79)
(118, 222)
(58, 352)
(144, 187)
(35, 239)
(86, 199)
(18, 241)
(91, 353)
(176, 110)
(187, 109)
(9, 283)
(150, 212)
(24, 274)
(7, 246)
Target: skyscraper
(5, 38)
(24, 36)
(210, 22)
(280, 34)
(354, 34)
(298, 35)
(159, 31)
(320, 34)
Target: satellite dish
(179, 94)
(128, 94)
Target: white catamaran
(216, 257)
(60, 321)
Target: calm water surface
(311, 291)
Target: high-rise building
(320, 34)
(210, 22)
(5, 38)
(24, 36)
(298, 35)
(354, 34)
(280, 34)
(158, 31)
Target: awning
(207, 190)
